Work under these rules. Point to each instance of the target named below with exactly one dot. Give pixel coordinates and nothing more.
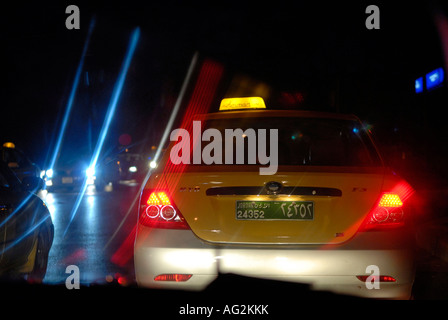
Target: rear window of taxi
(306, 141)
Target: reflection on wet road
(99, 240)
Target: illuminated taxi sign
(242, 103)
(9, 145)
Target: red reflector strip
(374, 278)
(173, 277)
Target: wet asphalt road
(98, 238)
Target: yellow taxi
(18, 161)
(288, 195)
(26, 228)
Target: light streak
(125, 247)
(71, 98)
(17, 209)
(108, 118)
(176, 107)
(25, 234)
(115, 96)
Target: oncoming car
(69, 174)
(332, 215)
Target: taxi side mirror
(31, 183)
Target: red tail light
(158, 211)
(387, 213)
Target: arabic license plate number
(274, 210)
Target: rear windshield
(301, 141)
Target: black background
(321, 50)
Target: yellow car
(26, 228)
(289, 195)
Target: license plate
(67, 180)
(274, 210)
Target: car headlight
(90, 172)
(132, 169)
(49, 173)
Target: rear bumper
(331, 268)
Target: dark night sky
(311, 48)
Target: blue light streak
(71, 98)
(25, 234)
(108, 118)
(115, 95)
(17, 209)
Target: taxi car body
(332, 215)
(26, 228)
(18, 161)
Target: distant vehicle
(18, 161)
(68, 175)
(124, 167)
(330, 215)
(26, 228)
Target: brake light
(390, 200)
(158, 211)
(387, 213)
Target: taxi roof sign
(9, 145)
(242, 103)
